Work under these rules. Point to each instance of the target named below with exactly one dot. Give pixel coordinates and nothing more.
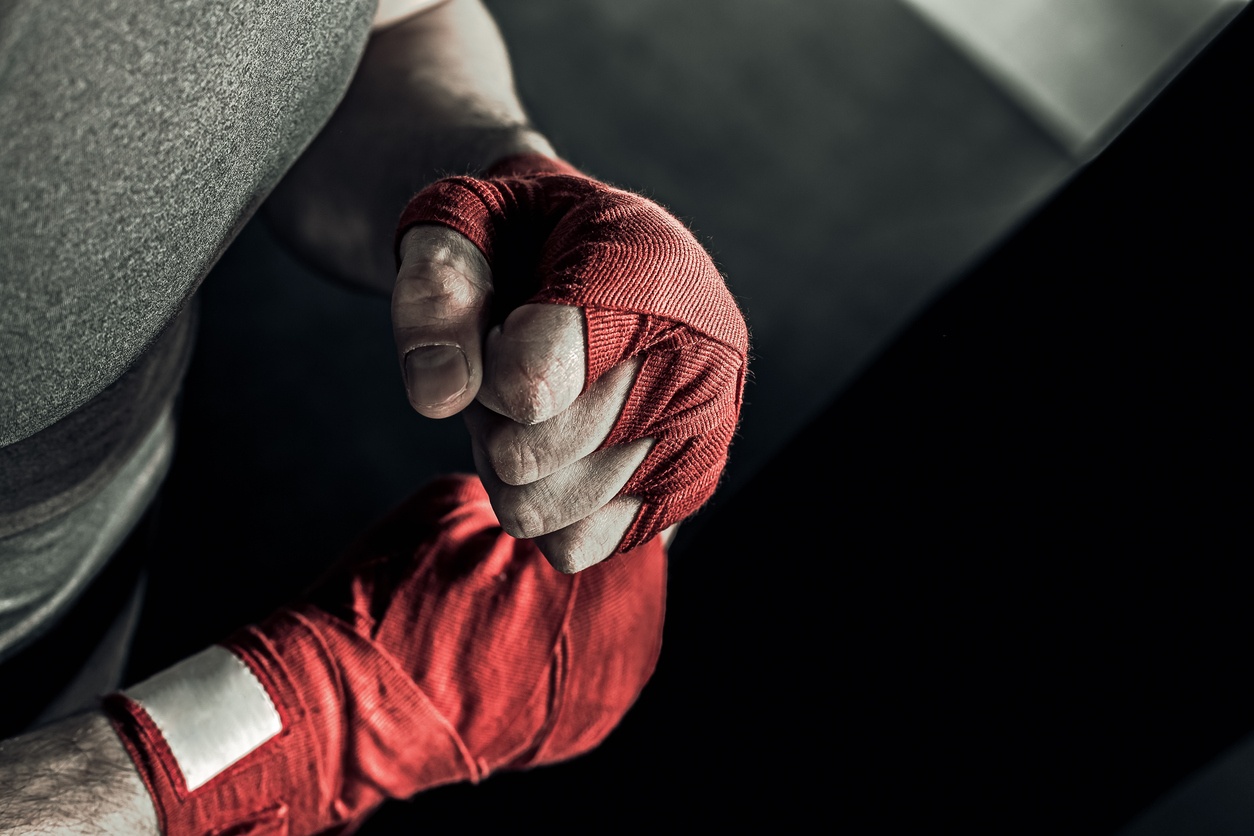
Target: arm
(585, 456)
(434, 95)
(437, 650)
(72, 777)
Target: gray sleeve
(136, 139)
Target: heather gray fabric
(136, 138)
(45, 475)
(44, 570)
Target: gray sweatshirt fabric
(136, 139)
(44, 570)
(44, 476)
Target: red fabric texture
(647, 287)
(412, 666)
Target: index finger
(535, 362)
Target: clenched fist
(589, 341)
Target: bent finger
(562, 498)
(535, 362)
(521, 453)
(589, 541)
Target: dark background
(979, 561)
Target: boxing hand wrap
(406, 667)
(647, 289)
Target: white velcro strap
(211, 710)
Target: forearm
(73, 776)
(434, 95)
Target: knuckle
(563, 559)
(567, 551)
(576, 547)
(430, 284)
(528, 393)
(514, 457)
(521, 518)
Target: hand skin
(434, 95)
(517, 385)
(72, 777)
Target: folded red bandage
(647, 288)
(438, 650)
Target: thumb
(440, 309)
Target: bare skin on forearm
(434, 95)
(72, 777)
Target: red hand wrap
(647, 287)
(412, 667)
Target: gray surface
(1218, 801)
(132, 147)
(1083, 69)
